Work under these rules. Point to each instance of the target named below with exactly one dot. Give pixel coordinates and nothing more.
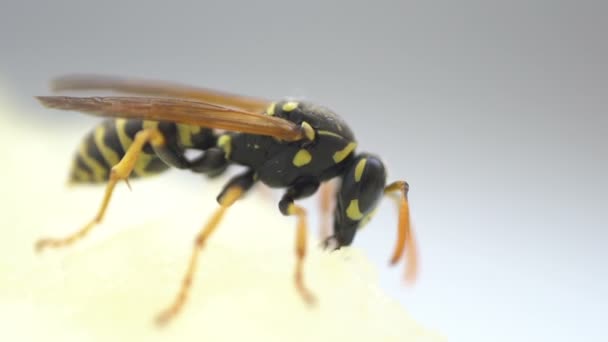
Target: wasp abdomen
(103, 148)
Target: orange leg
(232, 192)
(120, 171)
(288, 207)
(300, 248)
(405, 234)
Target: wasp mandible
(284, 144)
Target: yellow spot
(108, 154)
(186, 132)
(291, 209)
(309, 132)
(125, 139)
(330, 133)
(359, 169)
(225, 143)
(302, 158)
(289, 106)
(99, 171)
(343, 153)
(270, 110)
(353, 211)
(150, 124)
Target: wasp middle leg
(288, 207)
(234, 190)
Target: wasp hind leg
(288, 207)
(120, 171)
(234, 190)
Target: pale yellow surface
(110, 286)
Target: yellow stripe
(270, 110)
(150, 124)
(81, 175)
(225, 143)
(108, 154)
(144, 158)
(343, 153)
(125, 139)
(185, 133)
(359, 169)
(99, 171)
(353, 211)
(330, 133)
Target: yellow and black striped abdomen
(106, 145)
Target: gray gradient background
(496, 114)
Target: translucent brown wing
(180, 111)
(158, 89)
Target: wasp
(286, 144)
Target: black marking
(111, 139)
(132, 127)
(93, 151)
(156, 165)
(80, 164)
(204, 139)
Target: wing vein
(179, 111)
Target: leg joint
(403, 186)
(286, 206)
